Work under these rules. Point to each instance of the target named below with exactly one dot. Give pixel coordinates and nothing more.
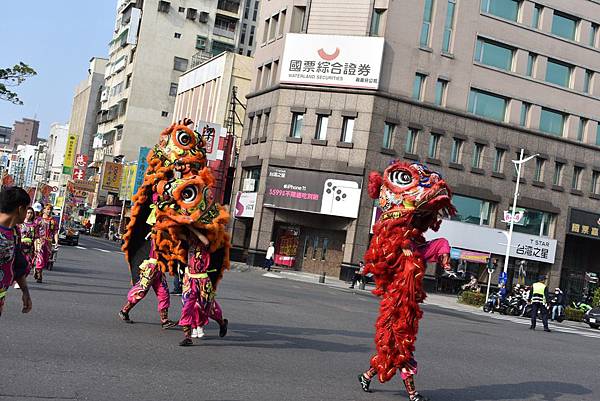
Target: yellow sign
(111, 180)
(60, 201)
(70, 154)
(128, 182)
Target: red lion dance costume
(413, 199)
(174, 211)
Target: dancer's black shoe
(168, 324)
(223, 328)
(186, 342)
(364, 382)
(124, 316)
(418, 397)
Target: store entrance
(579, 276)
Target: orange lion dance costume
(413, 199)
(172, 209)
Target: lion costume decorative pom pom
(173, 213)
(413, 199)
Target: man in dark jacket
(558, 303)
(538, 296)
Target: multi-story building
(23, 166)
(247, 38)
(154, 42)
(86, 104)
(460, 87)
(25, 132)
(40, 165)
(213, 95)
(57, 145)
(5, 133)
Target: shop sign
(492, 240)
(332, 60)
(245, 204)
(469, 256)
(584, 223)
(69, 154)
(85, 186)
(111, 180)
(212, 133)
(515, 218)
(313, 191)
(142, 165)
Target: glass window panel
(587, 80)
(524, 114)
(593, 35)
(598, 134)
(322, 122)
(494, 54)
(347, 129)
(534, 222)
(376, 22)
(564, 25)
(531, 59)
(498, 160)
(434, 141)
(487, 105)
(297, 122)
(449, 26)
(418, 86)
(388, 133)
(477, 151)
(558, 73)
(575, 181)
(535, 20)
(595, 179)
(440, 91)
(552, 122)
(411, 140)
(426, 27)
(472, 210)
(538, 175)
(581, 128)
(557, 178)
(508, 9)
(456, 150)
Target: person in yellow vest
(538, 296)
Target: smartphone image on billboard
(340, 198)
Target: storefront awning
(108, 210)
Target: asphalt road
(287, 341)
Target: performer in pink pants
(48, 236)
(150, 277)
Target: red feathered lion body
(413, 199)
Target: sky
(57, 38)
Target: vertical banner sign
(142, 165)
(128, 182)
(80, 167)
(111, 180)
(70, 154)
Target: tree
(15, 76)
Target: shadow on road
(549, 391)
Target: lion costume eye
(184, 138)
(189, 194)
(400, 178)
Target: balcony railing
(224, 33)
(231, 6)
(200, 58)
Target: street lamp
(518, 166)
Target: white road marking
(271, 275)
(80, 247)
(102, 250)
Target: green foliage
(573, 314)
(15, 76)
(472, 298)
(596, 299)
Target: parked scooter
(492, 305)
(516, 305)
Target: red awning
(108, 210)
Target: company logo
(329, 56)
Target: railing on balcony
(224, 33)
(200, 58)
(231, 6)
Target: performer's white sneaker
(194, 333)
(199, 332)
(17, 285)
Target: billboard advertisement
(313, 191)
(70, 154)
(332, 60)
(111, 179)
(211, 133)
(142, 166)
(245, 204)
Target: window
(252, 173)
(440, 91)
(251, 39)
(388, 135)
(434, 142)
(180, 64)
(315, 247)
(258, 120)
(376, 21)
(472, 210)
(181, 9)
(164, 6)
(426, 27)
(595, 188)
(455, 153)
(535, 19)
(418, 86)
(552, 122)
(499, 160)
(220, 47)
(275, 70)
(258, 78)
(487, 105)
(266, 30)
(173, 89)
(250, 124)
(347, 129)
(324, 250)
(525, 107)
(128, 81)
(494, 54)
(559, 73)
(587, 81)
(411, 141)
(558, 169)
(191, 14)
(598, 134)
(581, 128)
(297, 122)
(449, 27)
(531, 62)
(576, 180)
(593, 35)
(255, 12)
(538, 174)
(477, 153)
(508, 9)
(297, 22)
(321, 131)
(533, 222)
(564, 25)
(266, 124)
(164, 114)
(177, 35)
(273, 27)
(282, 22)
(243, 33)
(246, 9)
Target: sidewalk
(445, 301)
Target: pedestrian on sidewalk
(558, 304)
(48, 239)
(359, 274)
(29, 234)
(269, 258)
(13, 208)
(539, 301)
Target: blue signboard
(502, 278)
(142, 165)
